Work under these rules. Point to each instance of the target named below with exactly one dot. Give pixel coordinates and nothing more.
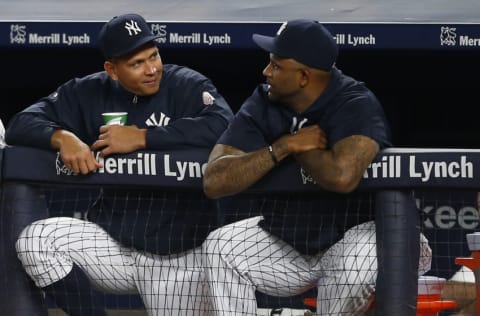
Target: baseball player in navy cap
(333, 126)
(308, 42)
(114, 41)
(123, 249)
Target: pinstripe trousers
(169, 285)
(241, 258)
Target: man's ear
(305, 77)
(110, 69)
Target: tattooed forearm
(233, 171)
(341, 168)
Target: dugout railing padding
(393, 175)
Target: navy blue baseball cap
(306, 41)
(123, 34)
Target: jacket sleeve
(35, 125)
(202, 116)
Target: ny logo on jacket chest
(157, 120)
(297, 124)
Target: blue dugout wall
(395, 175)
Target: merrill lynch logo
(144, 164)
(19, 35)
(390, 167)
(61, 168)
(193, 38)
(448, 36)
(160, 29)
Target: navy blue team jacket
(181, 114)
(346, 107)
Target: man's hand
(308, 138)
(76, 155)
(305, 139)
(231, 170)
(117, 139)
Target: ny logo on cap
(132, 28)
(282, 27)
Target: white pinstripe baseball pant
(242, 257)
(169, 285)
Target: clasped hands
(112, 139)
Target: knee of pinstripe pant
(39, 255)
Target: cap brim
(264, 42)
(139, 44)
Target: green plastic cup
(115, 118)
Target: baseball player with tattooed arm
(333, 126)
(120, 248)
